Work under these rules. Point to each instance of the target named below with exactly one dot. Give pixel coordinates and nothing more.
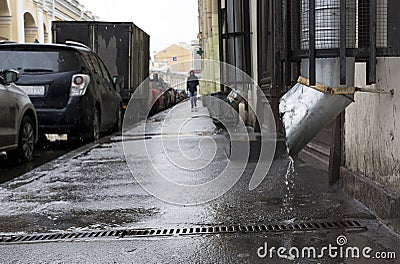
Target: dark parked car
(70, 87)
(18, 123)
(180, 95)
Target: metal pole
(287, 35)
(343, 42)
(372, 43)
(277, 43)
(312, 59)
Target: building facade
(276, 41)
(30, 20)
(181, 57)
(174, 63)
(209, 38)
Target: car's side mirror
(8, 76)
(117, 81)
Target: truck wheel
(26, 141)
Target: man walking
(192, 83)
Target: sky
(166, 21)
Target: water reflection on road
(44, 152)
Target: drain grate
(202, 230)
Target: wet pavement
(92, 188)
(44, 152)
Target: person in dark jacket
(192, 83)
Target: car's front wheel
(26, 140)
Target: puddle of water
(126, 139)
(202, 133)
(103, 146)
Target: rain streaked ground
(92, 188)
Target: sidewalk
(95, 190)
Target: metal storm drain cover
(202, 230)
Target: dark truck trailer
(122, 46)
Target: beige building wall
(209, 41)
(30, 20)
(177, 56)
(174, 63)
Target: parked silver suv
(18, 121)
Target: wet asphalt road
(93, 188)
(45, 152)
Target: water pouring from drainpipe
(305, 110)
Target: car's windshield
(36, 61)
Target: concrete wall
(372, 144)
(372, 127)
